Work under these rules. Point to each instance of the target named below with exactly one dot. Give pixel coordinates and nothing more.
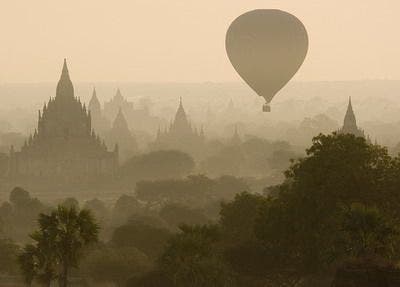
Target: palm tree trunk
(64, 277)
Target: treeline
(337, 208)
(251, 157)
(133, 232)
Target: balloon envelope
(266, 48)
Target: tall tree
(303, 223)
(60, 240)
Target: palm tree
(36, 263)
(74, 230)
(59, 243)
(28, 263)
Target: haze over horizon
(175, 41)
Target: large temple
(350, 123)
(64, 146)
(181, 135)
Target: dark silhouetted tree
(148, 239)
(192, 259)
(59, 241)
(302, 223)
(115, 264)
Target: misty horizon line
(202, 82)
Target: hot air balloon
(266, 47)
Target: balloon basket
(266, 108)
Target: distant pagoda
(100, 123)
(121, 135)
(64, 146)
(180, 135)
(112, 107)
(350, 123)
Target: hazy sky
(183, 40)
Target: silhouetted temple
(180, 134)
(350, 123)
(121, 135)
(64, 146)
(112, 107)
(100, 124)
(138, 116)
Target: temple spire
(65, 89)
(65, 69)
(350, 119)
(120, 122)
(94, 104)
(350, 123)
(181, 110)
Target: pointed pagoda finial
(181, 111)
(65, 68)
(65, 89)
(350, 122)
(180, 103)
(94, 103)
(350, 118)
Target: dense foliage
(58, 245)
(338, 204)
(158, 165)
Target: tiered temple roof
(64, 143)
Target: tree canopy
(158, 165)
(58, 244)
